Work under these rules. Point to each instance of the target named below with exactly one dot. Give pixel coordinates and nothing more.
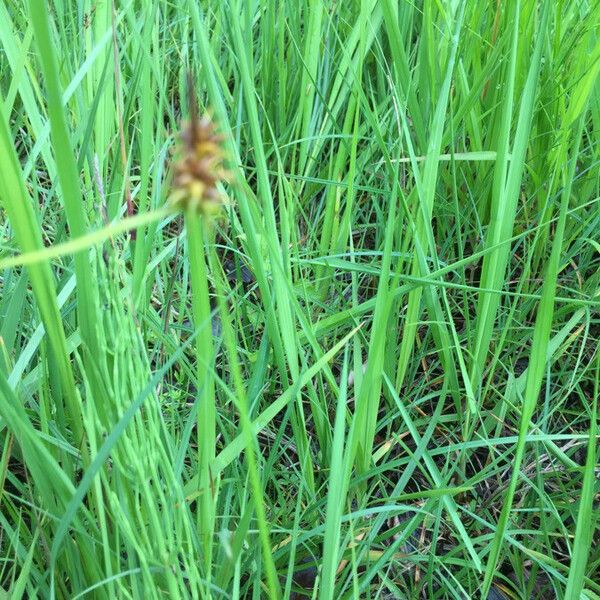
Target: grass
(374, 374)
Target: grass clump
(374, 375)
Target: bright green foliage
(374, 375)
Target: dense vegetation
(373, 373)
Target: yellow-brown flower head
(198, 167)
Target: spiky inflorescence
(198, 167)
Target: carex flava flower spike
(199, 163)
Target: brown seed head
(198, 168)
